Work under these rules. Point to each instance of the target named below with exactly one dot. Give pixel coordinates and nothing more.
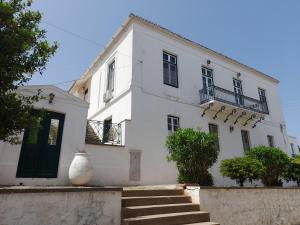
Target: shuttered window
(170, 69)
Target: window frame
(111, 62)
(172, 117)
(249, 140)
(271, 138)
(176, 66)
(217, 134)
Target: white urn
(80, 171)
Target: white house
(146, 83)
(152, 81)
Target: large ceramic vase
(80, 171)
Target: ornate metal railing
(102, 132)
(229, 97)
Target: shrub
(275, 163)
(293, 172)
(241, 169)
(194, 153)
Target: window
(170, 69)
(293, 149)
(173, 123)
(213, 129)
(245, 140)
(86, 91)
(238, 90)
(207, 80)
(270, 140)
(262, 98)
(52, 137)
(111, 77)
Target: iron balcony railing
(232, 98)
(102, 132)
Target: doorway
(40, 151)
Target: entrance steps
(160, 206)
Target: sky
(262, 34)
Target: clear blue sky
(262, 34)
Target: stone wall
(60, 205)
(249, 206)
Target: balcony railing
(229, 97)
(99, 132)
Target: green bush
(194, 153)
(293, 172)
(275, 163)
(241, 169)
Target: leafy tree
(241, 169)
(194, 153)
(293, 173)
(275, 163)
(24, 51)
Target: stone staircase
(144, 206)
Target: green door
(40, 150)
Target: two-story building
(149, 81)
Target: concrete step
(152, 192)
(154, 200)
(168, 219)
(203, 223)
(135, 211)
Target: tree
(241, 169)
(275, 163)
(24, 51)
(293, 173)
(194, 153)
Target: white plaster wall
(73, 138)
(68, 208)
(110, 164)
(265, 206)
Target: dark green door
(40, 150)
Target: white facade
(73, 135)
(141, 98)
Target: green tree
(24, 51)
(275, 163)
(293, 173)
(241, 169)
(194, 153)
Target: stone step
(168, 219)
(203, 223)
(152, 192)
(154, 200)
(135, 211)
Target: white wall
(72, 139)
(248, 206)
(55, 206)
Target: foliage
(194, 153)
(24, 51)
(275, 163)
(241, 169)
(293, 173)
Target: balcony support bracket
(258, 121)
(229, 115)
(250, 118)
(219, 111)
(240, 116)
(207, 108)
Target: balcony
(101, 132)
(242, 109)
(215, 93)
